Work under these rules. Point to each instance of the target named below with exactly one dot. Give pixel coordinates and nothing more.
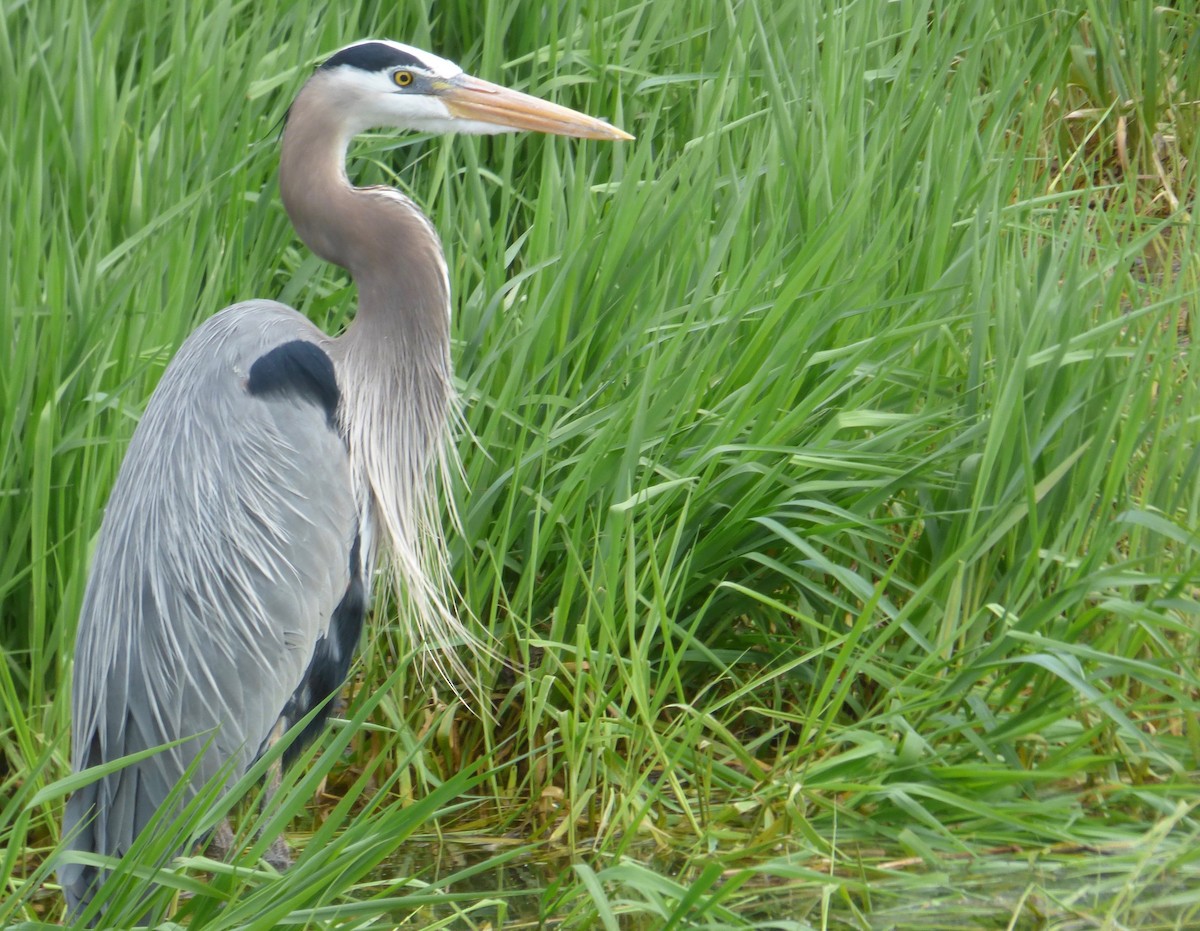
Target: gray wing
(224, 551)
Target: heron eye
(402, 78)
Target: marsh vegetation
(830, 456)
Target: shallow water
(517, 885)
(517, 877)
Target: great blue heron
(232, 570)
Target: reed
(830, 468)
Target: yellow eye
(402, 78)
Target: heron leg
(220, 843)
(279, 854)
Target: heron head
(379, 83)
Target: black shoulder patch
(372, 56)
(298, 369)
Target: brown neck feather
(393, 361)
(377, 234)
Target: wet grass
(829, 485)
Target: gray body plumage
(224, 550)
(274, 464)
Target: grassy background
(831, 469)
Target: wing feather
(223, 553)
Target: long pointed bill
(470, 98)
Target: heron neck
(393, 361)
(377, 234)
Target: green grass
(830, 477)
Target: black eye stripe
(372, 56)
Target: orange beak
(470, 98)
